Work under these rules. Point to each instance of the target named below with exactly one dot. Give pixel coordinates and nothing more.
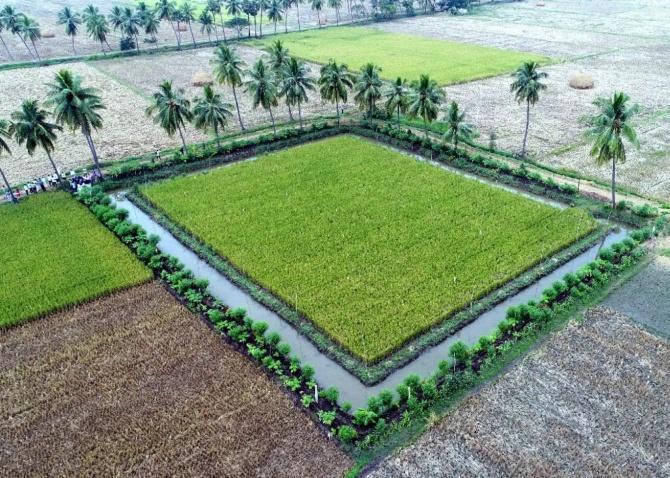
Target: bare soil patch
(134, 384)
(590, 401)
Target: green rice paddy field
(55, 253)
(407, 56)
(370, 244)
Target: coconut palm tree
(171, 110)
(335, 82)
(116, 17)
(526, 87)
(131, 22)
(71, 20)
(368, 87)
(98, 29)
(250, 7)
(165, 10)
(11, 18)
(211, 112)
(275, 12)
(77, 107)
(234, 8)
(287, 4)
(88, 12)
(397, 97)
(425, 100)
(279, 58)
(151, 25)
(608, 129)
(295, 83)
(317, 6)
(336, 4)
(206, 21)
(30, 30)
(263, 88)
(30, 125)
(187, 14)
(4, 147)
(2, 39)
(297, 8)
(228, 70)
(215, 6)
(458, 129)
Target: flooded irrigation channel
(329, 372)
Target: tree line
(281, 77)
(146, 20)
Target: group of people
(37, 185)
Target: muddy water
(329, 372)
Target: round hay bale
(202, 78)
(48, 34)
(581, 82)
(182, 28)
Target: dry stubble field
(622, 44)
(562, 411)
(135, 384)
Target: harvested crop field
(134, 384)
(590, 401)
(621, 44)
(55, 254)
(126, 130)
(372, 245)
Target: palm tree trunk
(275, 26)
(218, 138)
(398, 114)
(183, 141)
(613, 184)
(223, 27)
(209, 35)
(237, 105)
(54, 165)
(300, 114)
(216, 32)
(272, 118)
(6, 49)
(297, 7)
(255, 28)
(260, 25)
(525, 134)
(337, 110)
(91, 145)
(351, 17)
(36, 52)
(102, 48)
(286, 22)
(290, 113)
(137, 43)
(176, 35)
(318, 16)
(9, 188)
(425, 127)
(73, 50)
(107, 43)
(190, 28)
(337, 16)
(27, 47)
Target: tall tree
(275, 12)
(187, 15)
(297, 8)
(2, 39)
(11, 18)
(98, 29)
(228, 70)
(279, 58)
(206, 21)
(4, 147)
(71, 20)
(335, 82)
(151, 25)
(77, 107)
(368, 87)
(287, 4)
(234, 8)
(171, 110)
(89, 12)
(317, 6)
(262, 5)
(215, 6)
(30, 30)
(211, 112)
(526, 87)
(457, 129)
(425, 100)
(263, 88)
(336, 4)
(397, 97)
(30, 125)
(608, 129)
(165, 10)
(295, 84)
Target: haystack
(48, 34)
(202, 78)
(182, 28)
(581, 82)
(539, 4)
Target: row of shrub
(414, 394)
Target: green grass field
(373, 246)
(407, 56)
(55, 253)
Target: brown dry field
(591, 401)
(622, 44)
(134, 384)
